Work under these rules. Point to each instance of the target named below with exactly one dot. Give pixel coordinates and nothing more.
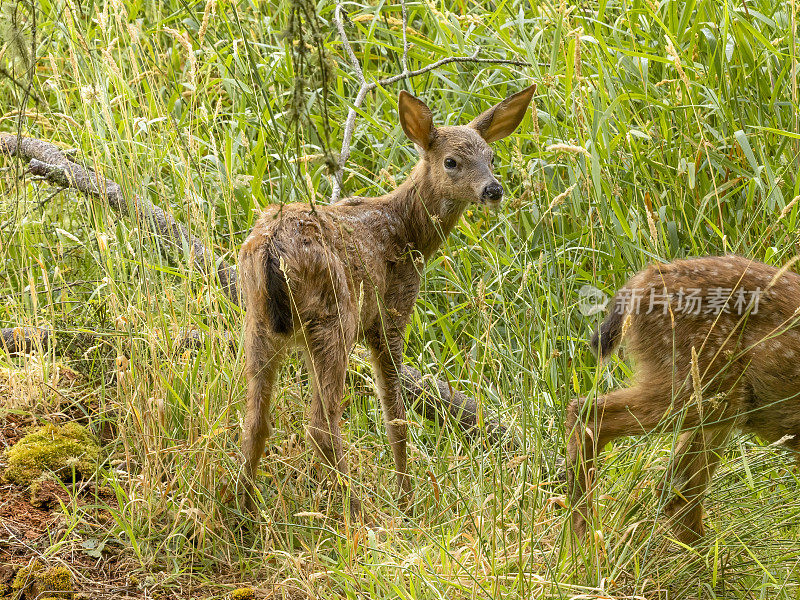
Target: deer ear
(502, 119)
(416, 119)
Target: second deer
(320, 278)
(716, 346)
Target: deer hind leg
(624, 412)
(699, 452)
(326, 358)
(387, 355)
(263, 357)
(697, 456)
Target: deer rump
(313, 266)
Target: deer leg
(387, 356)
(697, 455)
(327, 362)
(263, 359)
(624, 412)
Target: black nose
(493, 191)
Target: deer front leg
(387, 356)
(697, 456)
(591, 424)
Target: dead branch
(45, 160)
(365, 87)
(49, 162)
(24, 340)
(436, 400)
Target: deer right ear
(502, 119)
(416, 119)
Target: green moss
(25, 577)
(67, 451)
(243, 594)
(34, 580)
(39, 488)
(54, 579)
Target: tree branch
(49, 162)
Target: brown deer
(321, 278)
(716, 347)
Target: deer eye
(450, 163)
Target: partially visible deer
(716, 346)
(319, 278)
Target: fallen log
(24, 340)
(47, 161)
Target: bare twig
(366, 87)
(39, 206)
(21, 86)
(404, 63)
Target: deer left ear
(502, 119)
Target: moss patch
(34, 581)
(69, 451)
(25, 577)
(243, 594)
(55, 580)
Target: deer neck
(428, 216)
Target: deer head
(458, 160)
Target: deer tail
(608, 336)
(279, 303)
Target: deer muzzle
(492, 194)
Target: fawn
(716, 343)
(320, 278)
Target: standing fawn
(716, 347)
(320, 278)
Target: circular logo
(591, 300)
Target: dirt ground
(34, 530)
(52, 528)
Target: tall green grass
(678, 129)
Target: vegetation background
(661, 130)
